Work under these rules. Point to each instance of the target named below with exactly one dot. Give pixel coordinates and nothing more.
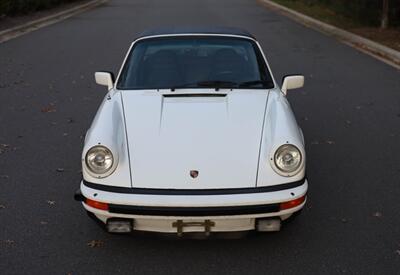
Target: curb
(379, 51)
(16, 31)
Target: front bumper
(157, 210)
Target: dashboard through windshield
(195, 62)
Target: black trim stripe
(197, 192)
(193, 95)
(193, 211)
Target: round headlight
(288, 159)
(99, 160)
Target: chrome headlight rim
(100, 174)
(279, 170)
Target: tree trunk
(385, 14)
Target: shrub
(367, 12)
(12, 7)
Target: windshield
(195, 62)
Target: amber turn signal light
(292, 203)
(97, 204)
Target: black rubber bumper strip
(196, 192)
(193, 211)
(78, 195)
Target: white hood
(172, 133)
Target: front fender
(280, 127)
(108, 129)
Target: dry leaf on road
(377, 214)
(48, 109)
(95, 243)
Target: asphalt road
(349, 111)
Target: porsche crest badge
(194, 173)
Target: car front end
(123, 210)
(200, 139)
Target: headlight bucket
(287, 160)
(99, 161)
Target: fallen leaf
(8, 242)
(95, 243)
(48, 109)
(4, 147)
(51, 202)
(330, 142)
(377, 214)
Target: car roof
(195, 30)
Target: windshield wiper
(217, 84)
(264, 83)
(184, 86)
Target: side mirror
(292, 82)
(105, 79)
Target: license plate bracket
(180, 225)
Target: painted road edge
(383, 53)
(33, 25)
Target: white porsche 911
(194, 135)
